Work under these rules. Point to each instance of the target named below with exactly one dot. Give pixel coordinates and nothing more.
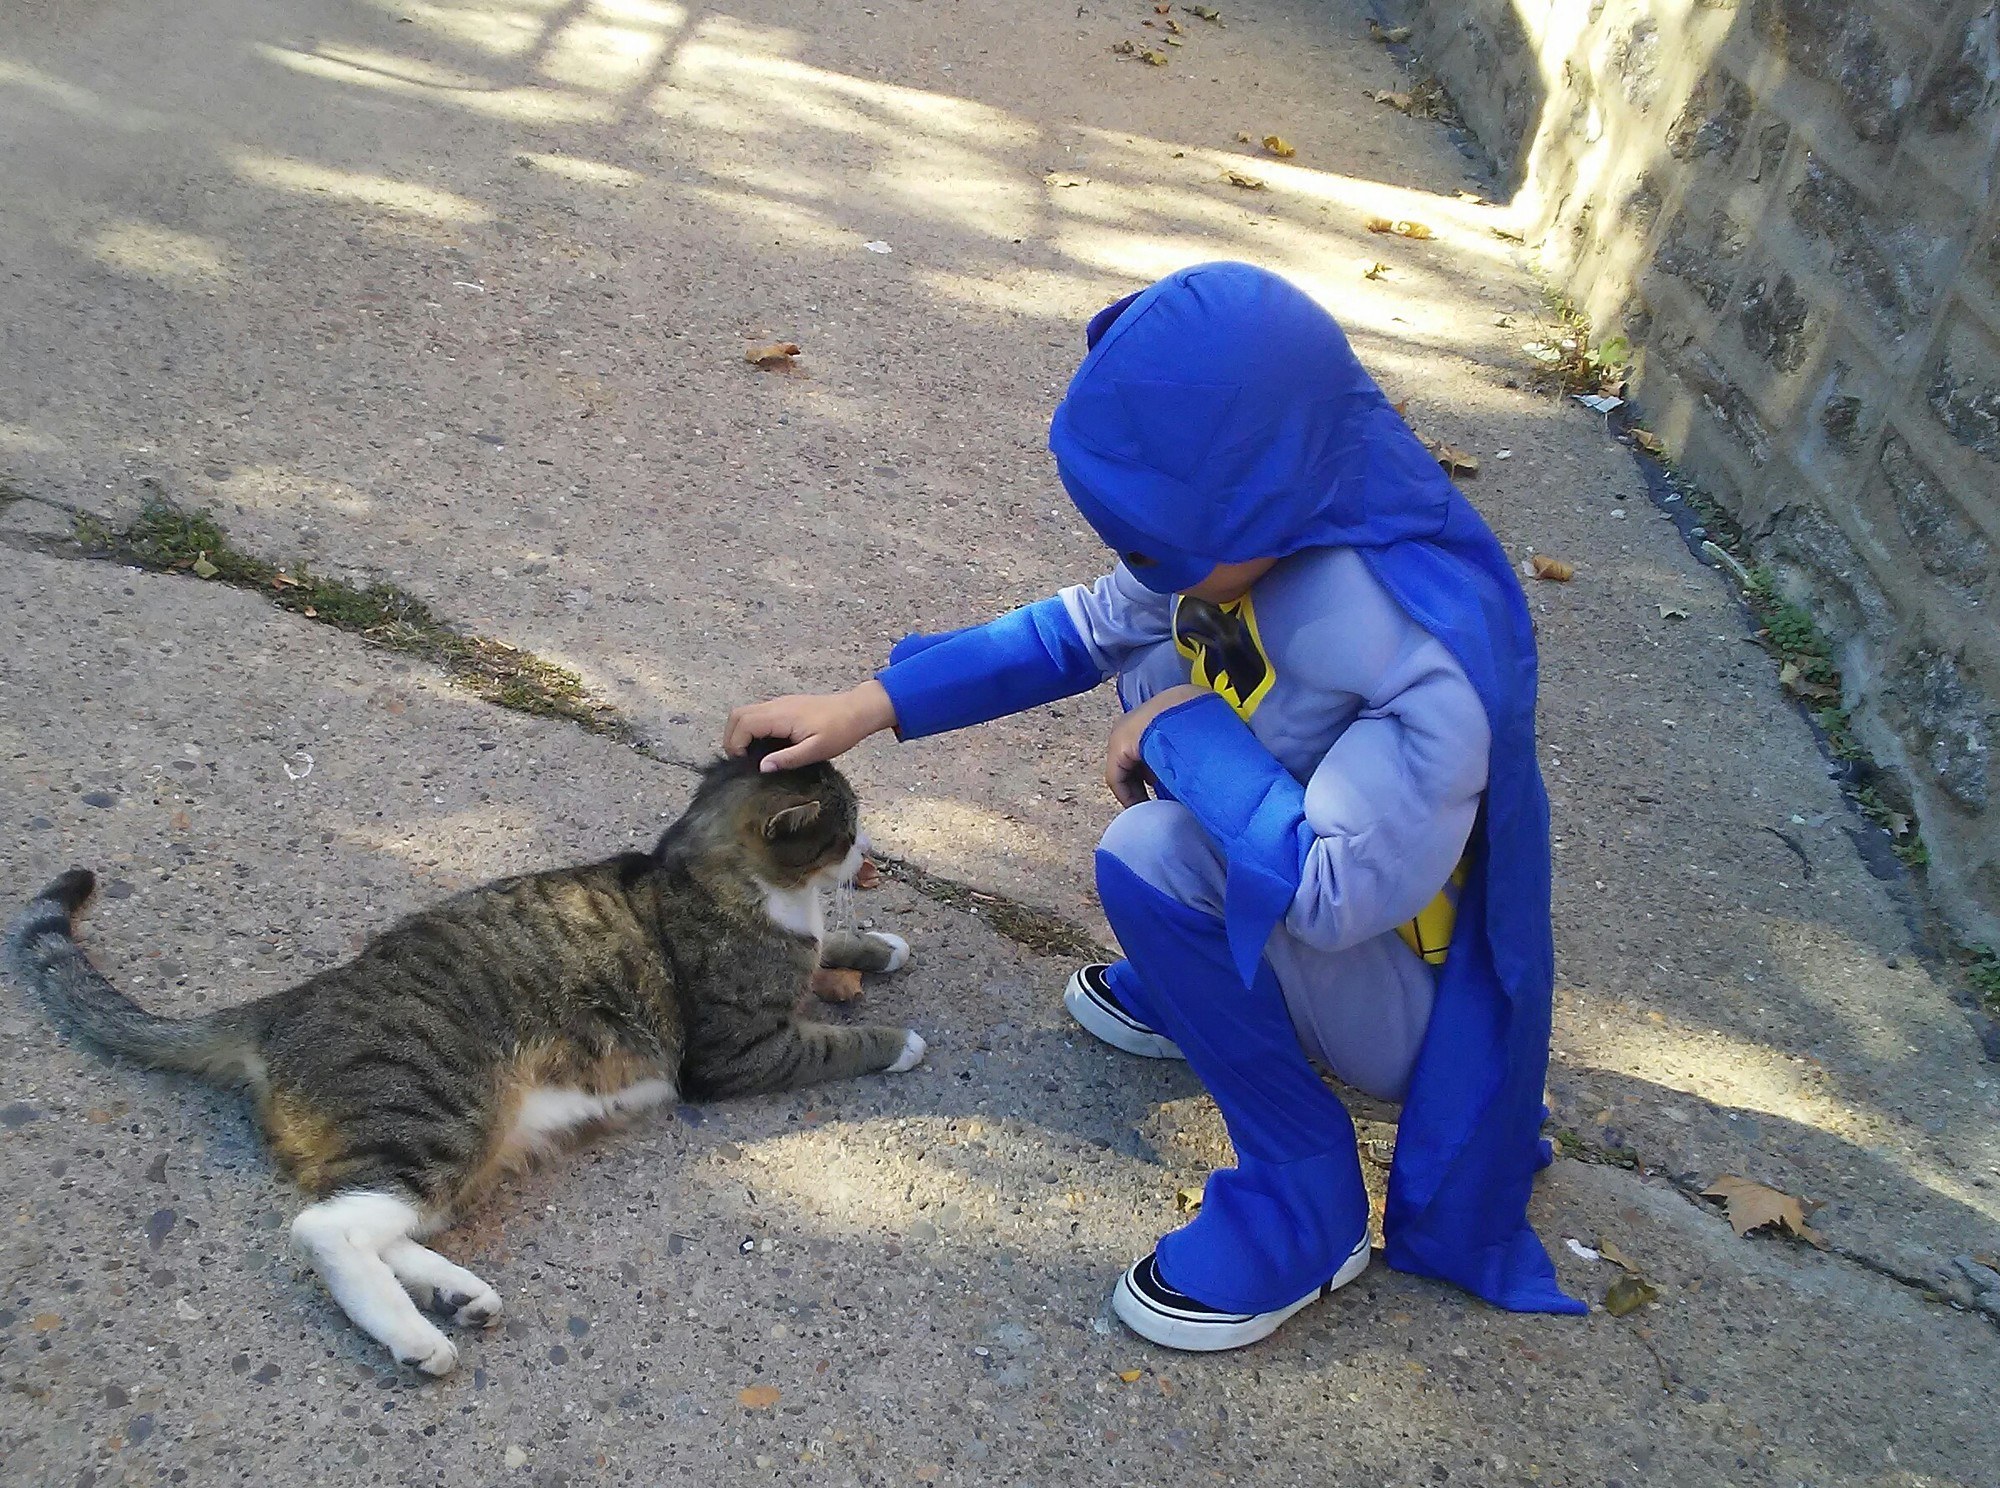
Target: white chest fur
(798, 910)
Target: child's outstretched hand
(1124, 766)
(820, 725)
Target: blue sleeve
(1206, 758)
(1024, 659)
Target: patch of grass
(1039, 930)
(166, 538)
(1984, 974)
(1572, 361)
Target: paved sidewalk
(455, 295)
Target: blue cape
(1221, 416)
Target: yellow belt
(1429, 934)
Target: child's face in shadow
(1225, 582)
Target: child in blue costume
(1329, 675)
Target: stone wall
(1787, 207)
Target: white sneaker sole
(1113, 1027)
(1210, 1333)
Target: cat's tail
(41, 949)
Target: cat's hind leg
(864, 950)
(346, 1237)
(437, 1285)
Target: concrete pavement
(455, 295)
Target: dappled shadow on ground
(457, 294)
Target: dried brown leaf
(1672, 612)
(1648, 441)
(1792, 677)
(1205, 12)
(1402, 227)
(1125, 48)
(1554, 570)
(1275, 144)
(1628, 1294)
(1400, 102)
(1376, 271)
(203, 569)
(836, 983)
(868, 875)
(1247, 182)
(1456, 461)
(1616, 1256)
(1187, 1200)
(771, 356)
(1753, 1206)
(1131, 1376)
(1153, 59)
(1387, 34)
(758, 1397)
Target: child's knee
(1162, 843)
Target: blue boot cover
(1283, 1219)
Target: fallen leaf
(1897, 823)
(1173, 41)
(1614, 1255)
(1503, 321)
(283, 580)
(1672, 612)
(1554, 570)
(1456, 461)
(1628, 1294)
(1752, 1206)
(1174, 26)
(1248, 183)
(1508, 235)
(310, 613)
(1792, 677)
(1648, 441)
(1187, 1200)
(1153, 59)
(1401, 227)
(46, 1322)
(1400, 102)
(835, 983)
(772, 356)
(1205, 12)
(1125, 48)
(203, 569)
(1376, 271)
(1379, 32)
(1276, 145)
(758, 1397)
(868, 875)
(1131, 1376)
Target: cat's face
(790, 827)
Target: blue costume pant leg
(1283, 1219)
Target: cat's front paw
(435, 1355)
(912, 1055)
(899, 951)
(482, 1310)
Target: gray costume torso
(1373, 716)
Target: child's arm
(1048, 650)
(1368, 840)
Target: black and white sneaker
(1090, 1001)
(1156, 1312)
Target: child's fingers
(807, 751)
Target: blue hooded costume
(1220, 416)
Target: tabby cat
(479, 1033)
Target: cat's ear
(791, 819)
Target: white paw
(899, 949)
(912, 1055)
(481, 1310)
(434, 1354)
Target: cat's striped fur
(476, 1034)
